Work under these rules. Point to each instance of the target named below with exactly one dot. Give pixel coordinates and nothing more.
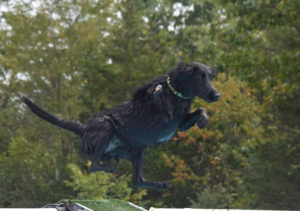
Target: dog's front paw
(203, 119)
(162, 185)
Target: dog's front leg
(137, 159)
(198, 117)
(203, 119)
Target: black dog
(152, 116)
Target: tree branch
(287, 20)
(282, 126)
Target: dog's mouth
(212, 98)
(209, 101)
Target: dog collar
(174, 91)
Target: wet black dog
(152, 116)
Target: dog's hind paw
(149, 184)
(111, 169)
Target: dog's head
(195, 79)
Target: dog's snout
(216, 96)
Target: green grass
(103, 205)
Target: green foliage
(101, 185)
(274, 162)
(98, 205)
(28, 176)
(213, 199)
(259, 42)
(75, 58)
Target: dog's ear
(213, 72)
(184, 73)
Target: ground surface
(103, 205)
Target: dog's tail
(72, 126)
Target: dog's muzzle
(216, 97)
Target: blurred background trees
(75, 58)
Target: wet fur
(141, 122)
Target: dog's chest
(166, 132)
(145, 130)
(167, 129)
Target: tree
(259, 41)
(43, 57)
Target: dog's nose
(216, 97)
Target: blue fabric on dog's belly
(113, 144)
(167, 132)
(116, 148)
(137, 133)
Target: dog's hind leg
(137, 159)
(102, 136)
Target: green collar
(175, 92)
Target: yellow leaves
(208, 134)
(181, 171)
(144, 32)
(221, 77)
(283, 2)
(168, 161)
(139, 195)
(214, 162)
(182, 134)
(166, 194)
(272, 128)
(215, 119)
(162, 41)
(264, 83)
(83, 30)
(91, 36)
(191, 140)
(180, 53)
(295, 166)
(85, 81)
(205, 136)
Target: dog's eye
(211, 77)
